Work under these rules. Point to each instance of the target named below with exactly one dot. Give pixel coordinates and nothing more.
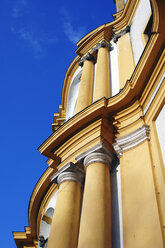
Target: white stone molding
(98, 157)
(99, 152)
(131, 140)
(70, 176)
(69, 172)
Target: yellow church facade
(105, 182)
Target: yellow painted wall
(125, 59)
(141, 224)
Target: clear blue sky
(37, 45)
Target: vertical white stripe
(114, 70)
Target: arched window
(50, 212)
(73, 94)
(45, 228)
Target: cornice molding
(99, 34)
(25, 238)
(58, 118)
(85, 116)
(131, 140)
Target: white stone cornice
(69, 172)
(109, 156)
(131, 140)
(98, 157)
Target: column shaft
(95, 225)
(102, 81)
(86, 86)
(65, 222)
(125, 59)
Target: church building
(104, 186)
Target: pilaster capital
(103, 44)
(69, 172)
(131, 140)
(99, 153)
(115, 37)
(98, 157)
(88, 57)
(70, 176)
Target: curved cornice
(129, 93)
(119, 23)
(158, 7)
(71, 126)
(102, 32)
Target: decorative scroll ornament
(115, 37)
(131, 140)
